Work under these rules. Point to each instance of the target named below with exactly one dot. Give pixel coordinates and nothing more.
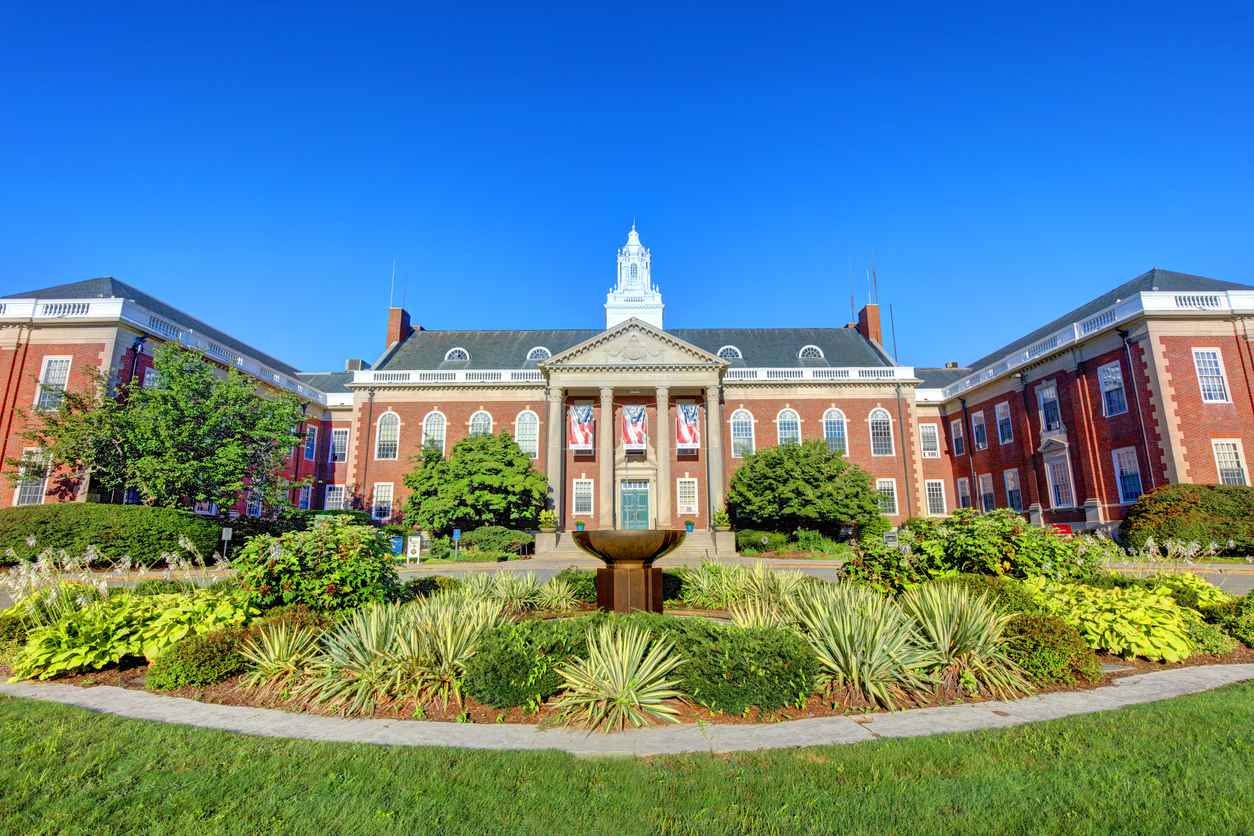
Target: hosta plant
(623, 681)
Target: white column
(663, 447)
(605, 452)
(713, 449)
(555, 459)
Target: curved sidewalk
(711, 737)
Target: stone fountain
(629, 582)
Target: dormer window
(730, 352)
(457, 354)
(810, 352)
(539, 353)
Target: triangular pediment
(636, 344)
(1053, 444)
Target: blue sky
(260, 165)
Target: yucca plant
(757, 613)
(515, 592)
(558, 595)
(866, 644)
(356, 669)
(476, 585)
(435, 641)
(619, 683)
(280, 655)
(964, 632)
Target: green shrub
(225, 586)
(427, 585)
(1202, 513)
(583, 581)
(874, 528)
(496, 539)
(1050, 651)
(1209, 639)
(336, 567)
(117, 531)
(204, 659)
(1236, 617)
(1005, 594)
(814, 541)
(517, 663)
(162, 586)
(295, 616)
(761, 541)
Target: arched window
(388, 437)
(539, 353)
(433, 430)
(730, 352)
(788, 427)
(457, 354)
(634, 271)
(742, 432)
(481, 423)
(881, 433)
(834, 431)
(811, 352)
(527, 432)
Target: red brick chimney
(399, 327)
(869, 323)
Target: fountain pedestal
(629, 582)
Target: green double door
(635, 509)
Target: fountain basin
(629, 582)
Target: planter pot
(548, 529)
(722, 528)
(579, 526)
(689, 527)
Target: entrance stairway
(696, 546)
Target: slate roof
(328, 382)
(939, 378)
(108, 287)
(1164, 280)
(760, 347)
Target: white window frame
(1240, 452)
(378, 437)
(374, 501)
(892, 443)
(679, 495)
(470, 427)
(1018, 487)
(255, 505)
(30, 454)
(733, 353)
(1123, 387)
(426, 437)
(535, 422)
(983, 480)
(304, 499)
(574, 497)
(1136, 464)
(1223, 376)
(837, 417)
(1040, 402)
(935, 452)
(153, 379)
(753, 441)
(927, 495)
(537, 349)
(779, 423)
(801, 355)
(964, 492)
(891, 484)
(959, 436)
(311, 443)
(209, 509)
(448, 355)
(1065, 461)
(43, 387)
(1004, 406)
(326, 498)
(331, 455)
(978, 428)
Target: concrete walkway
(713, 737)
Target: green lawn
(1180, 766)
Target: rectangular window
(935, 489)
(32, 479)
(929, 439)
(382, 501)
(583, 497)
(209, 508)
(311, 444)
(686, 492)
(964, 493)
(1210, 374)
(1228, 460)
(1014, 497)
(1060, 484)
(152, 379)
(987, 501)
(887, 489)
(52, 380)
(1114, 402)
(1005, 432)
(334, 499)
(255, 505)
(1129, 475)
(881, 434)
(979, 435)
(1051, 418)
(960, 446)
(528, 434)
(339, 446)
(302, 502)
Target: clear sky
(261, 164)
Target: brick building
(638, 426)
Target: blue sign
(457, 534)
(398, 544)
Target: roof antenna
(853, 317)
(868, 287)
(392, 289)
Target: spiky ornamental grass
(756, 613)
(280, 655)
(558, 595)
(619, 683)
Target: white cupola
(634, 294)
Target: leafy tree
(197, 437)
(801, 486)
(486, 480)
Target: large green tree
(486, 480)
(801, 486)
(198, 436)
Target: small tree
(801, 486)
(486, 480)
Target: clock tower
(634, 294)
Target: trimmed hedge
(751, 539)
(1205, 513)
(496, 538)
(117, 531)
(516, 663)
(1050, 651)
(204, 659)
